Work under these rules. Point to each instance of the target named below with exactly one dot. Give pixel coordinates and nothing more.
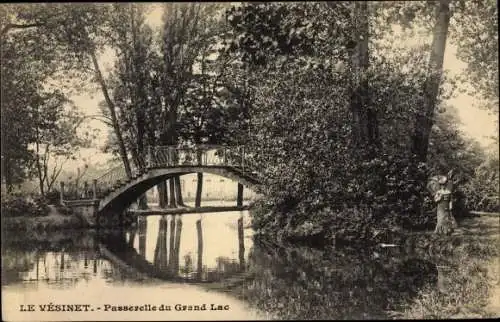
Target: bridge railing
(156, 157)
(76, 191)
(199, 155)
(112, 179)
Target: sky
(476, 123)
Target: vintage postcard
(249, 160)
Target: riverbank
(54, 220)
(468, 264)
(445, 277)
(466, 283)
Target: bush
(384, 193)
(41, 205)
(18, 205)
(64, 210)
(482, 191)
(351, 225)
(53, 197)
(475, 198)
(393, 189)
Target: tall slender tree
(425, 117)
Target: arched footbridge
(116, 190)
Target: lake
(162, 270)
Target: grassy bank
(468, 280)
(425, 277)
(55, 219)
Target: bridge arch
(127, 193)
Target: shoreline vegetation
(466, 262)
(468, 283)
(55, 219)
(35, 212)
(26, 213)
(467, 274)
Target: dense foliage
(483, 189)
(306, 135)
(343, 120)
(15, 205)
(40, 126)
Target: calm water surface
(206, 261)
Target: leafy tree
(203, 114)
(83, 30)
(132, 79)
(31, 56)
(56, 137)
(180, 46)
(481, 191)
(475, 32)
(295, 112)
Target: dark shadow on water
(306, 283)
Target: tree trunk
(40, 177)
(131, 239)
(143, 202)
(199, 189)
(171, 188)
(178, 192)
(141, 131)
(38, 165)
(7, 173)
(137, 157)
(162, 194)
(425, 118)
(366, 133)
(112, 112)
(239, 197)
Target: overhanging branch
(10, 26)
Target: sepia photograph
(170, 161)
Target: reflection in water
(177, 245)
(199, 231)
(169, 248)
(142, 225)
(171, 243)
(160, 257)
(305, 283)
(241, 243)
(62, 267)
(289, 282)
